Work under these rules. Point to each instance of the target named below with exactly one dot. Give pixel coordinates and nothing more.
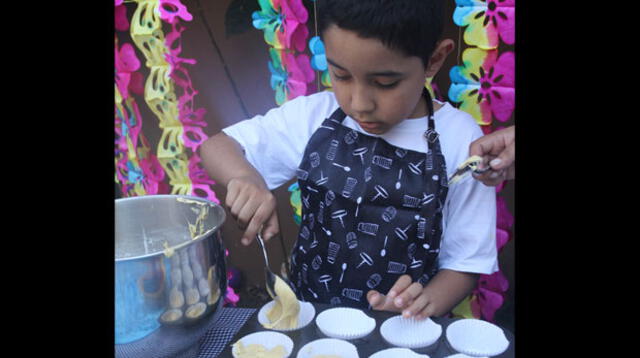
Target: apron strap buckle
(431, 135)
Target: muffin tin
(371, 343)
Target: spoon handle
(264, 251)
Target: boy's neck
(421, 108)
(436, 106)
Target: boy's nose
(362, 102)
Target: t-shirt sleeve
(274, 143)
(469, 239)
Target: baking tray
(367, 345)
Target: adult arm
(499, 150)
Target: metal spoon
(270, 277)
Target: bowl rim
(183, 244)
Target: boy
(380, 226)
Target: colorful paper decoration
(428, 84)
(319, 60)
(284, 25)
(170, 9)
(293, 81)
(486, 21)
(137, 169)
(296, 202)
(181, 124)
(484, 86)
(231, 298)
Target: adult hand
(499, 150)
(253, 206)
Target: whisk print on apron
(371, 212)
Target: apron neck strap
(338, 115)
(430, 134)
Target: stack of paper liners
(284, 313)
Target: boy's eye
(340, 78)
(387, 85)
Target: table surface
(366, 346)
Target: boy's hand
(253, 206)
(410, 298)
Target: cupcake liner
(328, 346)
(476, 338)
(305, 316)
(345, 323)
(398, 353)
(461, 355)
(409, 332)
(268, 339)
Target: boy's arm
(223, 159)
(445, 290)
(248, 198)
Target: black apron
(371, 212)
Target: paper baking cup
(328, 346)
(306, 314)
(398, 353)
(268, 339)
(409, 332)
(345, 323)
(476, 338)
(460, 355)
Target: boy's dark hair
(410, 26)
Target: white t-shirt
(274, 144)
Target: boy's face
(374, 85)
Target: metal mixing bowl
(169, 266)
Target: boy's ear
(442, 50)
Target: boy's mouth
(370, 126)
